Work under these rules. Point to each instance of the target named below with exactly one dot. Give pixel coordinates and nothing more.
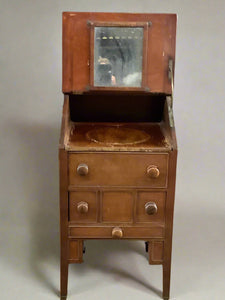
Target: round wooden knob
(151, 208)
(82, 169)
(82, 207)
(117, 233)
(153, 171)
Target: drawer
(118, 169)
(150, 207)
(83, 207)
(109, 232)
(115, 206)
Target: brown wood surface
(64, 247)
(116, 187)
(159, 140)
(156, 252)
(76, 48)
(75, 251)
(158, 198)
(117, 206)
(105, 232)
(91, 199)
(65, 124)
(169, 224)
(107, 169)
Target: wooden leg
(166, 279)
(169, 224)
(64, 244)
(63, 279)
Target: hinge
(90, 23)
(77, 92)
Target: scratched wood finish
(116, 187)
(77, 43)
(158, 137)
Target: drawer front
(107, 169)
(150, 207)
(107, 232)
(83, 207)
(113, 206)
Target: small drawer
(121, 232)
(118, 169)
(83, 207)
(150, 207)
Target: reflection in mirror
(118, 55)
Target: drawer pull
(153, 171)
(117, 233)
(82, 169)
(151, 208)
(82, 207)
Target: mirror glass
(118, 55)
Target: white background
(30, 113)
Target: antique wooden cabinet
(117, 150)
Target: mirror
(118, 56)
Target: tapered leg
(64, 244)
(63, 279)
(169, 224)
(166, 279)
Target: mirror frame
(145, 26)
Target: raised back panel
(77, 47)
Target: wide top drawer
(118, 169)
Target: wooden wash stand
(117, 150)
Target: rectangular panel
(160, 47)
(75, 251)
(83, 207)
(144, 198)
(117, 207)
(106, 232)
(107, 169)
(156, 249)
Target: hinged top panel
(118, 52)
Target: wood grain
(107, 169)
(156, 252)
(113, 181)
(76, 48)
(105, 232)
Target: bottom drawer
(108, 232)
